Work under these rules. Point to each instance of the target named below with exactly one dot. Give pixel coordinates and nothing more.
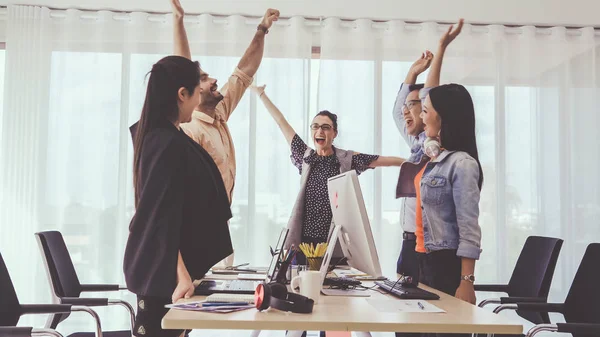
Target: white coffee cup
(309, 282)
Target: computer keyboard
(412, 293)
(207, 287)
(240, 285)
(341, 282)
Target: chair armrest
(489, 301)
(101, 287)
(536, 307)
(13, 331)
(45, 332)
(46, 308)
(497, 288)
(513, 300)
(128, 307)
(541, 307)
(579, 328)
(82, 301)
(61, 309)
(22, 331)
(541, 327)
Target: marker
(420, 305)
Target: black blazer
(183, 206)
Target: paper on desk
(402, 305)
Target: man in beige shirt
(208, 126)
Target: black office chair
(14, 331)
(531, 278)
(65, 284)
(581, 308)
(11, 310)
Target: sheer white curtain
(75, 83)
(536, 100)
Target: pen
(292, 256)
(223, 304)
(236, 267)
(420, 305)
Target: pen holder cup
(281, 274)
(314, 263)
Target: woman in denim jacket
(449, 194)
(449, 185)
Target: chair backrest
(533, 272)
(59, 267)
(63, 276)
(10, 309)
(582, 304)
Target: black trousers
(150, 311)
(408, 265)
(441, 270)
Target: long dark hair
(454, 105)
(167, 76)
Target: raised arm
(284, 126)
(387, 161)
(417, 68)
(433, 78)
(251, 59)
(180, 40)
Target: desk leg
(255, 333)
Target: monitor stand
(334, 237)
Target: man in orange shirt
(208, 126)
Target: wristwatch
(470, 278)
(263, 28)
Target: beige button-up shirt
(213, 134)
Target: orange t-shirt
(419, 214)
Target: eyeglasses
(410, 104)
(324, 127)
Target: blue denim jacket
(450, 204)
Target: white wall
(539, 12)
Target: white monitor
(349, 212)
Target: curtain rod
(3, 10)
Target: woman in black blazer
(180, 227)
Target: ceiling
(538, 12)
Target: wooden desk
(352, 314)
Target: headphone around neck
(432, 147)
(276, 295)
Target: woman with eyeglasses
(311, 217)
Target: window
(2, 62)
(81, 186)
